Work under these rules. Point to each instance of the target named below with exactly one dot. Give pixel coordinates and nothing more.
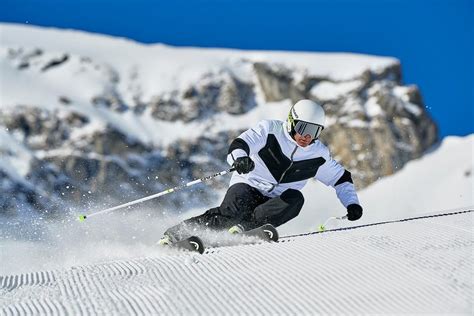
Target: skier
(274, 160)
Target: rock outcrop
(375, 125)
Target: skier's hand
(354, 212)
(243, 165)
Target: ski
(265, 232)
(193, 243)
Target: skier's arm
(333, 174)
(249, 142)
(345, 189)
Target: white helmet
(306, 117)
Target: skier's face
(303, 141)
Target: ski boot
(236, 229)
(193, 243)
(165, 240)
(265, 232)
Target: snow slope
(417, 266)
(39, 244)
(440, 180)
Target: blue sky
(432, 38)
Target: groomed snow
(418, 266)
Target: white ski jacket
(281, 164)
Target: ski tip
(197, 243)
(82, 218)
(192, 244)
(271, 232)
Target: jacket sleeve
(331, 173)
(249, 142)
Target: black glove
(243, 165)
(354, 212)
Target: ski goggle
(304, 128)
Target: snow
(446, 173)
(327, 91)
(417, 266)
(157, 68)
(110, 265)
(372, 107)
(127, 234)
(144, 72)
(441, 180)
(14, 157)
(187, 63)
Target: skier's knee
(293, 197)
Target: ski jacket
(281, 164)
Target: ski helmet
(306, 117)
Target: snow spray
(177, 188)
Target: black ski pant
(246, 206)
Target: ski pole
(322, 227)
(146, 198)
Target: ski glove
(354, 212)
(244, 165)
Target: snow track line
(409, 266)
(380, 223)
(37, 278)
(288, 238)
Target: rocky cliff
(83, 127)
